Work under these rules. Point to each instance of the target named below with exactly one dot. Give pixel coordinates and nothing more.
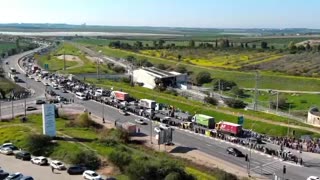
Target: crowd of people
(308, 145)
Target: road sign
(46, 66)
(240, 120)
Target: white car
(6, 151)
(39, 160)
(6, 145)
(164, 126)
(38, 80)
(15, 176)
(140, 121)
(57, 165)
(91, 175)
(313, 178)
(157, 129)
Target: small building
(153, 77)
(314, 117)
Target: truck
(119, 95)
(147, 103)
(229, 128)
(34, 69)
(204, 121)
(128, 127)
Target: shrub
(211, 100)
(120, 158)
(86, 158)
(39, 145)
(202, 77)
(235, 103)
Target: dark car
(3, 175)
(235, 152)
(78, 169)
(39, 101)
(27, 178)
(31, 108)
(23, 155)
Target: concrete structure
(314, 116)
(153, 77)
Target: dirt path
(72, 58)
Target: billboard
(49, 120)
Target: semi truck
(204, 121)
(119, 95)
(229, 128)
(147, 103)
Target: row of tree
(161, 44)
(293, 48)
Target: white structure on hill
(314, 116)
(153, 77)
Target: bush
(181, 69)
(235, 103)
(119, 69)
(83, 120)
(211, 100)
(125, 80)
(119, 135)
(39, 145)
(202, 77)
(86, 158)
(120, 158)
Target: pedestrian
(103, 121)
(52, 169)
(138, 130)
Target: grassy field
(56, 64)
(268, 80)
(17, 133)
(5, 46)
(198, 107)
(7, 85)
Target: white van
(81, 95)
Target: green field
(268, 80)
(56, 64)
(219, 114)
(7, 85)
(5, 46)
(17, 132)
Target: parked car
(77, 169)
(3, 175)
(140, 121)
(6, 145)
(31, 108)
(15, 176)
(23, 155)
(39, 160)
(235, 152)
(27, 178)
(6, 151)
(157, 129)
(313, 178)
(91, 175)
(164, 126)
(58, 165)
(40, 101)
(124, 112)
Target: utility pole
(277, 101)
(0, 110)
(98, 73)
(12, 104)
(255, 103)
(151, 131)
(25, 99)
(64, 60)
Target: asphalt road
(260, 163)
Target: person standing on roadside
(52, 169)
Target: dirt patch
(69, 58)
(92, 59)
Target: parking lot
(12, 165)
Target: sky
(168, 13)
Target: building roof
(160, 73)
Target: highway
(260, 163)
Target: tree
(292, 46)
(87, 158)
(191, 43)
(202, 77)
(301, 48)
(161, 66)
(282, 103)
(254, 46)
(318, 48)
(138, 45)
(120, 158)
(38, 144)
(211, 100)
(264, 45)
(237, 92)
(308, 47)
(131, 59)
(235, 103)
(224, 85)
(179, 57)
(161, 43)
(181, 69)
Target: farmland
(5, 46)
(219, 58)
(268, 80)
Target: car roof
(56, 161)
(89, 171)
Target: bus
(81, 95)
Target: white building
(314, 117)
(151, 77)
